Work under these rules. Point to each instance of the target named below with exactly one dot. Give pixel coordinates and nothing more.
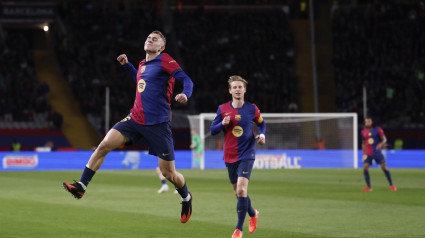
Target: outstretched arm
(128, 66)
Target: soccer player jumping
(149, 118)
(373, 140)
(236, 119)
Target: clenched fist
(226, 120)
(122, 59)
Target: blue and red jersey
(155, 84)
(239, 140)
(372, 138)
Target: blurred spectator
(55, 119)
(398, 144)
(16, 146)
(51, 145)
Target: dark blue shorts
(159, 136)
(379, 159)
(241, 168)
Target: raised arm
(128, 66)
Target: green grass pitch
(292, 203)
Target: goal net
(293, 140)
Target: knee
(169, 175)
(240, 192)
(104, 148)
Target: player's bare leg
(388, 175)
(169, 171)
(161, 177)
(112, 140)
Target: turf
(292, 203)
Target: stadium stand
(255, 43)
(97, 33)
(381, 47)
(23, 101)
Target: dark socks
(388, 175)
(251, 210)
(367, 178)
(241, 209)
(87, 176)
(163, 182)
(183, 191)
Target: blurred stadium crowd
(379, 46)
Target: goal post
(293, 140)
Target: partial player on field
(373, 141)
(196, 147)
(236, 119)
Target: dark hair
(371, 118)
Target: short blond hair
(236, 78)
(161, 35)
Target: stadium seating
(382, 48)
(98, 33)
(255, 43)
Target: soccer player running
(373, 140)
(236, 119)
(149, 118)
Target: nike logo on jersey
(172, 61)
(163, 154)
(243, 172)
(227, 113)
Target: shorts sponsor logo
(20, 161)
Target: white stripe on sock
(186, 199)
(82, 185)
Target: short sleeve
(381, 132)
(257, 118)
